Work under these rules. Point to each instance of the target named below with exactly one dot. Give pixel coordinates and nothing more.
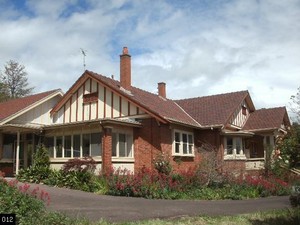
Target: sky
(197, 47)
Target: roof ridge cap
(187, 114)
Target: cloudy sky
(198, 47)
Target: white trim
(234, 155)
(181, 132)
(19, 113)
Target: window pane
(190, 139)
(114, 144)
(238, 145)
(229, 145)
(49, 144)
(122, 145)
(86, 145)
(184, 138)
(177, 137)
(76, 145)
(67, 146)
(129, 145)
(96, 144)
(58, 147)
(177, 147)
(8, 151)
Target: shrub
(295, 195)
(162, 163)
(86, 164)
(40, 169)
(25, 202)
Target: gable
(240, 115)
(216, 110)
(93, 100)
(115, 102)
(39, 114)
(16, 108)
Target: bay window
(233, 147)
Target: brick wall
(154, 138)
(106, 149)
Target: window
(121, 145)
(244, 110)
(7, 151)
(183, 143)
(86, 145)
(234, 147)
(58, 147)
(96, 144)
(229, 146)
(49, 144)
(67, 146)
(74, 145)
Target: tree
(295, 105)
(14, 79)
(3, 93)
(290, 147)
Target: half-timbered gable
(93, 100)
(241, 114)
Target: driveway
(119, 209)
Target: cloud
(196, 47)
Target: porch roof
(237, 133)
(102, 122)
(13, 128)
(267, 120)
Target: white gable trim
(19, 113)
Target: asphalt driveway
(119, 209)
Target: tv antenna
(83, 52)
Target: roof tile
(214, 109)
(265, 119)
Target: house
(123, 126)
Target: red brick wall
(209, 140)
(149, 140)
(154, 138)
(106, 150)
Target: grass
(274, 217)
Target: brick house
(123, 126)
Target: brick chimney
(162, 89)
(125, 69)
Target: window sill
(58, 160)
(122, 159)
(6, 161)
(235, 157)
(187, 155)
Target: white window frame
(72, 145)
(234, 155)
(181, 143)
(128, 135)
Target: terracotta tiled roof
(263, 119)
(215, 109)
(164, 108)
(14, 106)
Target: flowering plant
(162, 163)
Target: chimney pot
(162, 89)
(125, 69)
